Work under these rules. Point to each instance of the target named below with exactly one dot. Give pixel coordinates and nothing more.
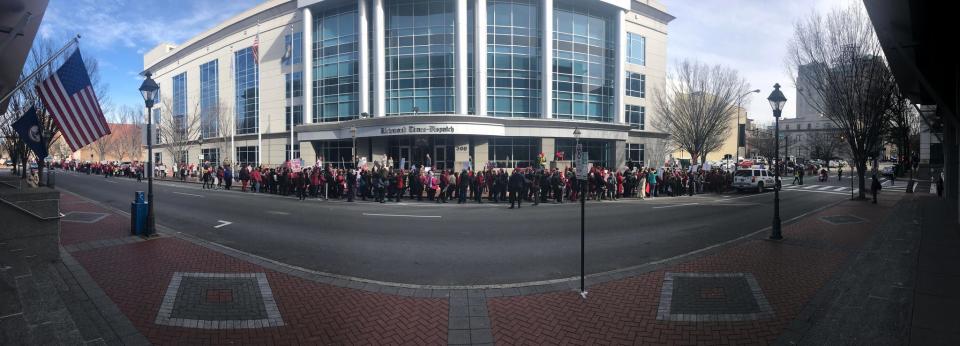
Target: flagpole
(233, 129)
(259, 116)
(35, 72)
(289, 60)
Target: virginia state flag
(28, 127)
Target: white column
(620, 87)
(461, 93)
(363, 38)
(546, 66)
(480, 57)
(307, 65)
(380, 70)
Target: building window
(336, 153)
(157, 138)
(209, 100)
(809, 126)
(297, 116)
(788, 126)
(183, 157)
(296, 84)
(296, 50)
(636, 49)
(296, 151)
(247, 91)
(420, 48)
(636, 116)
(179, 111)
(513, 152)
(635, 153)
(583, 64)
(513, 53)
(211, 156)
(247, 156)
(335, 58)
(636, 84)
(598, 151)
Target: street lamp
(777, 100)
(740, 136)
(149, 91)
(582, 176)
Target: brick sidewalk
(178, 291)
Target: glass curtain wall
(513, 58)
(209, 100)
(420, 46)
(583, 63)
(335, 70)
(247, 92)
(180, 100)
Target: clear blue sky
(748, 35)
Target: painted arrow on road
(222, 223)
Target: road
(450, 244)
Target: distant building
(126, 135)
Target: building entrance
(413, 150)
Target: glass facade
(211, 155)
(337, 152)
(247, 91)
(335, 70)
(247, 156)
(296, 48)
(513, 152)
(598, 150)
(179, 112)
(636, 49)
(296, 152)
(635, 153)
(297, 116)
(513, 58)
(209, 100)
(420, 49)
(636, 85)
(296, 84)
(583, 64)
(635, 116)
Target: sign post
(581, 160)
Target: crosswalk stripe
(808, 187)
(824, 188)
(840, 188)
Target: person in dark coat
(351, 185)
(875, 187)
(515, 184)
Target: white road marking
(825, 187)
(675, 205)
(401, 215)
(187, 194)
(809, 187)
(108, 180)
(222, 223)
(840, 188)
(277, 212)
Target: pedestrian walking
(515, 186)
(875, 187)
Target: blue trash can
(138, 214)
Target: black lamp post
(777, 100)
(149, 91)
(583, 207)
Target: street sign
(582, 163)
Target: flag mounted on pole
(256, 49)
(69, 97)
(29, 129)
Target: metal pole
(775, 228)
(24, 81)
(151, 221)
(583, 207)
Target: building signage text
(414, 129)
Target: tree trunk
(861, 173)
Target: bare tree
(180, 132)
(849, 82)
(657, 153)
(697, 105)
(904, 125)
(762, 144)
(134, 115)
(102, 146)
(823, 145)
(221, 120)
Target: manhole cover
(83, 217)
(842, 219)
(219, 301)
(696, 297)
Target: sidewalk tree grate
(842, 219)
(698, 297)
(83, 217)
(219, 301)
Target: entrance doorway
(440, 157)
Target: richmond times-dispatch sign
(415, 129)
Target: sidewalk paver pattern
(178, 292)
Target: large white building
(402, 79)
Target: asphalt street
(450, 244)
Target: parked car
(756, 179)
(886, 171)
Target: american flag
(68, 95)
(256, 49)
